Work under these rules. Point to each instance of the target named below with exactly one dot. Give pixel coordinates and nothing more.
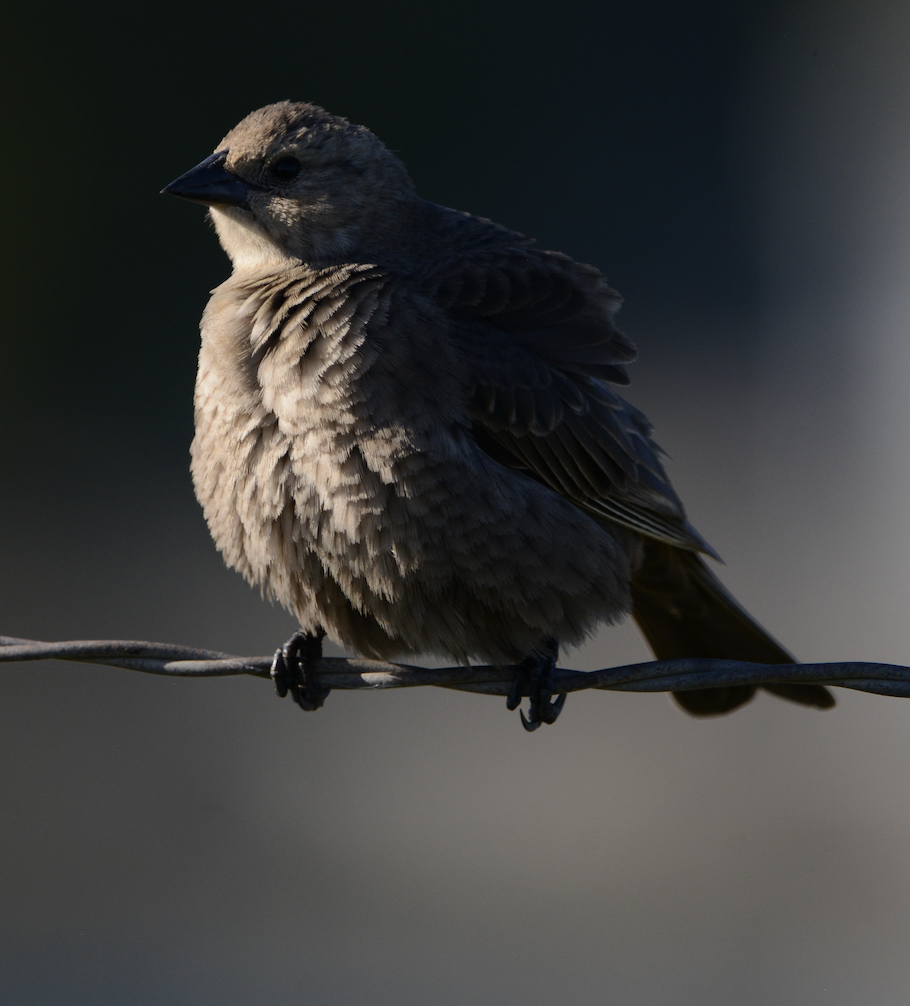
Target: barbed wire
(349, 673)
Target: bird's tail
(685, 611)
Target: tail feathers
(685, 611)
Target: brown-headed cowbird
(407, 433)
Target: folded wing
(542, 347)
(537, 331)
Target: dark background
(740, 174)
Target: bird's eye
(286, 168)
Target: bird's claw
(545, 713)
(292, 670)
(535, 674)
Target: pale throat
(247, 246)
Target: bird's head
(293, 183)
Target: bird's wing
(536, 330)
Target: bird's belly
(397, 547)
(328, 502)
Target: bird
(408, 433)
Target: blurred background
(739, 171)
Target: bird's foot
(535, 675)
(293, 666)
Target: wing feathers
(537, 332)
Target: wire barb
(346, 673)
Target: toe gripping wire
(534, 677)
(293, 670)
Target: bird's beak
(211, 184)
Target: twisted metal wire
(359, 673)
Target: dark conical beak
(211, 184)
